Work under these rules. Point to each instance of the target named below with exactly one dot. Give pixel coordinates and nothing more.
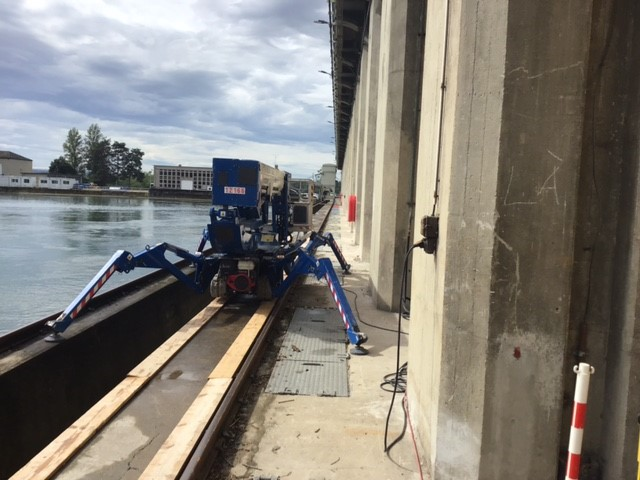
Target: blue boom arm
(307, 264)
(123, 261)
(318, 240)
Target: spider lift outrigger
(253, 251)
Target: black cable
(443, 89)
(355, 306)
(396, 380)
(594, 89)
(388, 446)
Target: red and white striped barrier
(584, 372)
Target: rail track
(164, 418)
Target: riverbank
(106, 192)
(97, 192)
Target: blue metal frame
(243, 204)
(307, 264)
(150, 257)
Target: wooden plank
(55, 455)
(150, 365)
(176, 449)
(232, 359)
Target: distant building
(17, 171)
(14, 164)
(37, 181)
(328, 177)
(182, 178)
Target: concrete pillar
(369, 88)
(604, 328)
(348, 169)
(620, 405)
(356, 161)
(490, 310)
(360, 108)
(399, 68)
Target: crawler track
(164, 418)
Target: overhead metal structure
(348, 22)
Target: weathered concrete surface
(47, 386)
(395, 150)
(451, 314)
(489, 387)
(604, 316)
(530, 138)
(538, 168)
(359, 114)
(370, 85)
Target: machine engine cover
(241, 282)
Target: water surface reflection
(51, 246)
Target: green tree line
(97, 159)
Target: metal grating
(313, 356)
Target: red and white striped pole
(584, 372)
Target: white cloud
(184, 81)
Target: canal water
(52, 246)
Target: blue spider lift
(252, 249)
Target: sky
(182, 80)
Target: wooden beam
(229, 364)
(169, 461)
(174, 453)
(55, 455)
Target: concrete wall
(395, 148)
(369, 89)
(603, 327)
(529, 139)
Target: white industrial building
(182, 178)
(17, 171)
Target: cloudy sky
(183, 80)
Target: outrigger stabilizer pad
(54, 337)
(358, 350)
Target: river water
(52, 246)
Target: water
(52, 246)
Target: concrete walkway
(322, 438)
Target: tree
(60, 166)
(96, 152)
(147, 179)
(125, 164)
(132, 168)
(100, 160)
(118, 159)
(72, 148)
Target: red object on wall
(351, 217)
